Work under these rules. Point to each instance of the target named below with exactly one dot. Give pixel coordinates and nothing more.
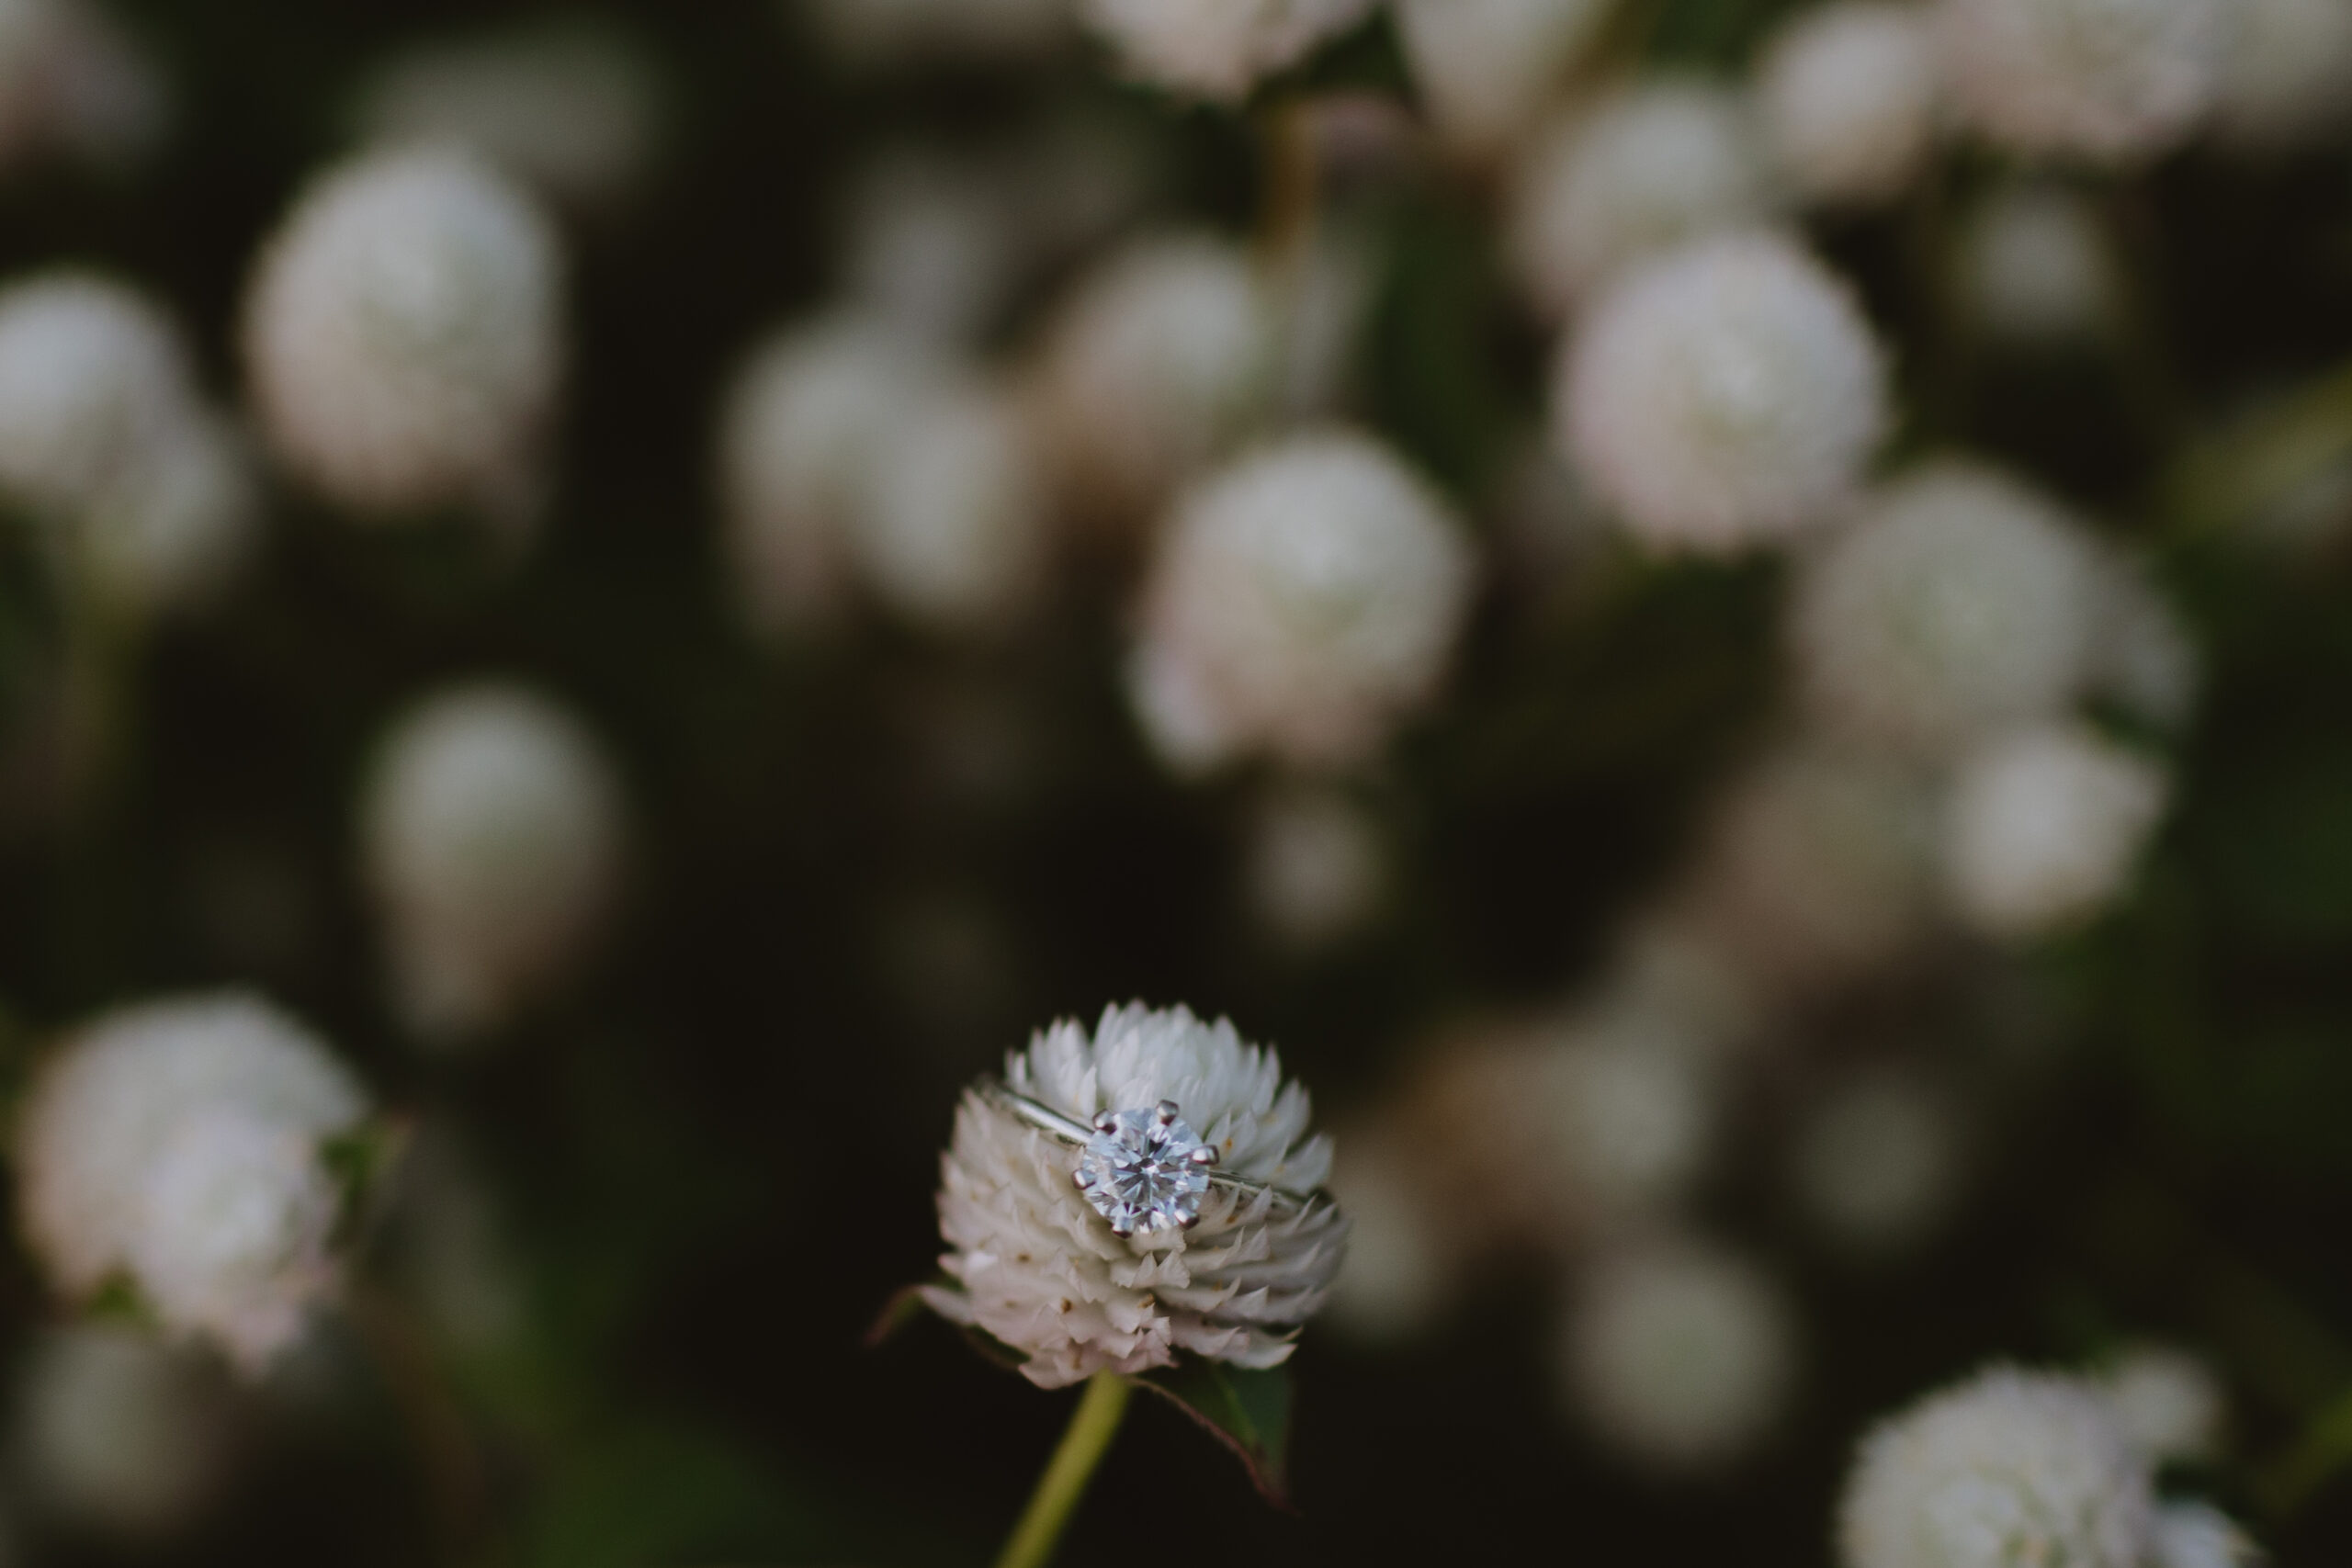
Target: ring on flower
(1143, 1170)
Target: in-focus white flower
(2031, 263)
(951, 531)
(876, 32)
(1960, 602)
(2197, 1535)
(2043, 828)
(1304, 600)
(1485, 68)
(1642, 170)
(179, 1142)
(1679, 1354)
(1039, 1268)
(403, 337)
(1876, 1161)
(1317, 867)
(573, 111)
(1216, 49)
(1724, 395)
(1849, 98)
(120, 1433)
(802, 428)
(2008, 1469)
(1155, 364)
(491, 831)
(1817, 868)
(2288, 81)
(2103, 80)
(2167, 1403)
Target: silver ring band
(1077, 1134)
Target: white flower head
(1216, 49)
(1304, 600)
(179, 1142)
(403, 335)
(2146, 661)
(801, 430)
(951, 529)
(120, 1432)
(934, 243)
(2168, 1404)
(2030, 264)
(93, 376)
(1040, 1269)
(2010, 1469)
(1679, 1354)
(1849, 98)
(1400, 1259)
(1958, 603)
(2288, 81)
(1485, 68)
(492, 829)
(1317, 867)
(73, 83)
(1153, 368)
(572, 111)
(183, 518)
(1641, 170)
(1725, 395)
(2043, 828)
(1877, 1160)
(2099, 79)
(2197, 1535)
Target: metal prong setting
(1106, 1122)
(1165, 1112)
(1205, 1155)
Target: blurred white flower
(1303, 600)
(1679, 1354)
(2008, 1468)
(2197, 1535)
(1317, 868)
(1040, 1269)
(2167, 1403)
(933, 243)
(801, 429)
(1216, 49)
(1153, 366)
(1485, 68)
(1849, 98)
(403, 335)
(120, 1433)
(951, 531)
(183, 519)
(2044, 826)
(491, 829)
(1641, 170)
(1958, 603)
(1398, 1271)
(74, 82)
(2101, 80)
(2031, 263)
(874, 32)
(2288, 80)
(1876, 1160)
(573, 111)
(179, 1142)
(2144, 658)
(1727, 394)
(1817, 867)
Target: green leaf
(1247, 1411)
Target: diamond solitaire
(1145, 1171)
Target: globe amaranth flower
(1959, 603)
(178, 1144)
(1723, 395)
(1303, 600)
(2167, 1403)
(2288, 80)
(1040, 1269)
(491, 828)
(2099, 79)
(1154, 366)
(72, 83)
(2197, 1535)
(1679, 1354)
(1639, 172)
(572, 111)
(121, 1433)
(1484, 69)
(1216, 49)
(403, 336)
(1849, 98)
(2043, 828)
(2008, 1469)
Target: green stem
(1091, 1428)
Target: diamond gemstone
(1142, 1171)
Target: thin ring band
(1077, 1133)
